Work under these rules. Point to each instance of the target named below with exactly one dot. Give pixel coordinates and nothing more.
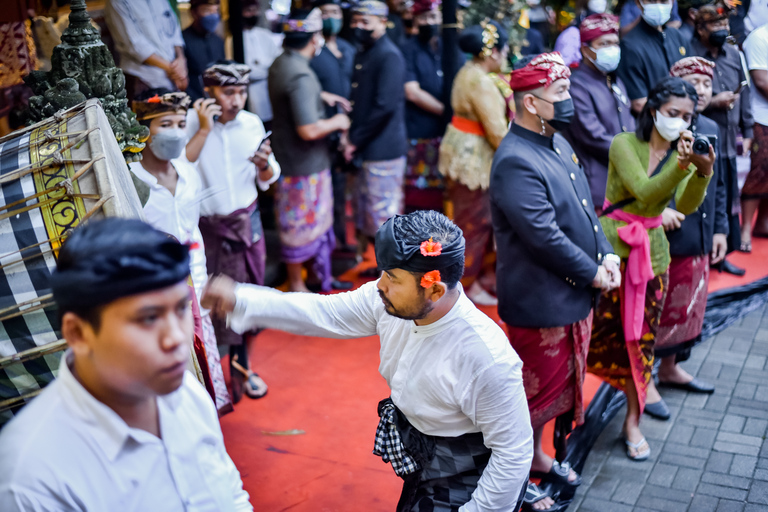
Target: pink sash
(639, 269)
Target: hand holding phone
(741, 86)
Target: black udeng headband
(393, 253)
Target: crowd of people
(586, 193)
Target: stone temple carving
(82, 68)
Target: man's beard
(418, 314)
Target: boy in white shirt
(233, 160)
(174, 200)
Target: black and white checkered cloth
(389, 446)
(24, 281)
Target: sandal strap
(534, 494)
(637, 445)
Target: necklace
(660, 158)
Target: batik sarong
(683, 315)
(423, 182)
(305, 221)
(756, 185)
(471, 211)
(234, 246)
(611, 357)
(554, 367)
(378, 194)
(439, 473)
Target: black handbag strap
(624, 202)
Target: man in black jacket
(552, 254)
(695, 241)
(377, 138)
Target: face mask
(362, 36)
(331, 26)
(408, 22)
(669, 127)
(319, 48)
(607, 59)
(427, 32)
(563, 114)
(656, 14)
(597, 6)
(210, 22)
(717, 39)
(250, 21)
(168, 144)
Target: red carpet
(329, 389)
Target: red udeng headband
(540, 72)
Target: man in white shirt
(754, 193)
(233, 161)
(124, 426)
(260, 50)
(456, 428)
(174, 201)
(148, 39)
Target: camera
(701, 143)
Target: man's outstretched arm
(343, 315)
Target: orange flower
(430, 248)
(154, 99)
(430, 278)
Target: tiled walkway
(712, 455)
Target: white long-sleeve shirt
(229, 177)
(452, 377)
(260, 49)
(141, 28)
(67, 452)
(178, 214)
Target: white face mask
(607, 59)
(168, 144)
(597, 6)
(669, 127)
(657, 14)
(320, 48)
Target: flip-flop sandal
(255, 387)
(639, 456)
(745, 247)
(534, 494)
(558, 474)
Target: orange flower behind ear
(430, 248)
(154, 99)
(430, 278)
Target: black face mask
(563, 114)
(250, 21)
(408, 22)
(362, 36)
(717, 38)
(427, 32)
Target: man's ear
(77, 332)
(437, 291)
(528, 104)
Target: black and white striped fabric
(24, 281)
(389, 446)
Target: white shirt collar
(442, 323)
(109, 430)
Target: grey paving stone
(755, 362)
(724, 446)
(701, 503)
(689, 420)
(663, 474)
(695, 401)
(761, 474)
(704, 438)
(743, 465)
(730, 506)
(762, 463)
(742, 439)
(665, 493)
(719, 462)
(627, 493)
(717, 403)
(710, 370)
(758, 493)
(755, 427)
(595, 505)
(687, 479)
(748, 411)
(721, 491)
(751, 507)
(762, 393)
(657, 504)
(733, 423)
(681, 449)
(602, 487)
(681, 460)
(745, 390)
(726, 480)
(741, 346)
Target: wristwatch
(612, 257)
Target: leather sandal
(252, 385)
(534, 494)
(558, 474)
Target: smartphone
(742, 85)
(264, 138)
